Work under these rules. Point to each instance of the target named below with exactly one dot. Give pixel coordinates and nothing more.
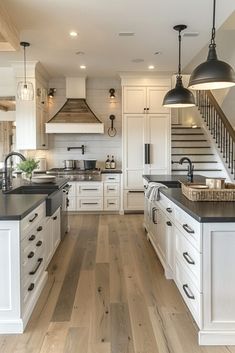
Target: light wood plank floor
(106, 293)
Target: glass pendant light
(179, 97)
(213, 73)
(25, 90)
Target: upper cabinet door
(134, 100)
(155, 96)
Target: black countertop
(172, 180)
(16, 207)
(114, 171)
(204, 212)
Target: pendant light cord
(213, 27)
(24, 66)
(179, 67)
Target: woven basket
(226, 194)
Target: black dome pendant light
(179, 97)
(213, 73)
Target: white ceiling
(46, 25)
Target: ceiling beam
(9, 36)
(5, 109)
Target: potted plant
(28, 166)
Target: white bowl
(43, 179)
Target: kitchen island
(29, 237)
(195, 243)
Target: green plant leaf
(28, 166)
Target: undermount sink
(30, 190)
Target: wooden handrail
(221, 114)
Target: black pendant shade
(213, 73)
(179, 97)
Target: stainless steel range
(77, 174)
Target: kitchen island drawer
(189, 257)
(111, 178)
(90, 204)
(91, 189)
(29, 221)
(189, 292)
(189, 227)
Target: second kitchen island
(195, 243)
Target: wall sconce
(112, 93)
(111, 130)
(51, 92)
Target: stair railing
(219, 126)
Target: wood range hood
(75, 116)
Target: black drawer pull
(136, 191)
(32, 219)
(39, 243)
(111, 178)
(169, 209)
(111, 203)
(169, 223)
(154, 209)
(187, 291)
(111, 189)
(32, 237)
(37, 267)
(31, 287)
(188, 258)
(90, 203)
(39, 229)
(55, 218)
(30, 255)
(188, 229)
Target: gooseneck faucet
(190, 167)
(6, 179)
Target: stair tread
(197, 169)
(193, 154)
(199, 140)
(185, 127)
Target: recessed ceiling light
(83, 67)
(137, 60)
(157, 52)
(79, 53)
(73, 34)
(151, 67)
(126, 34)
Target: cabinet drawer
(32, 219)
(72, 190)
(189, 227)
(134, 200)
(33, 235)
(111, 178)
(90, 189)
(189, 257)
(111, 203)
(72, 203)
(189, 292)
(90, 204)
(111, 189)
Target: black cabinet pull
(39, 229)
(32, 219)
(31, 287)
(169, 223)
(188, 229)
(39, 243)
(43, 145)
(154, 209)
(169, 210)
(136, 191)
(37, 267)
(90, 203)
(188, 258)
(32, 237)
(90, 189)
(111, 178)
(55, 218)
(147, 109)
(147, 153)
(186, 291)
(111, 203)
(67, 202)
(30, 255)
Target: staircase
(193, 143)
(211, 147)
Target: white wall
(97, 146)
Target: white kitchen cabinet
(146, 136)
(31, 116)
